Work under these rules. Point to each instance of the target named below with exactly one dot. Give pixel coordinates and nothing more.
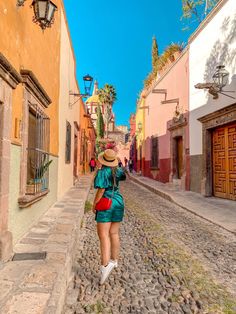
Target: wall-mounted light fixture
(88, 80)
(220, 80)
(44, 11)
(220, 77)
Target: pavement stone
(162, 268)
(216, 210)
(39, 286)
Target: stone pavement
(172, 262)
(39, 286)
(219, 211)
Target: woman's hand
(93, 208)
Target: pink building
(166, 156)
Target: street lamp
(220, 77)
(88, 80)
(44, 12)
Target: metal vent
(29, 256)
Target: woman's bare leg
(105, 243)
(115, 240)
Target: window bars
(38, 151)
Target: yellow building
(29, 102)
(140, 132)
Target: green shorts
(110, 215)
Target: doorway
(179, 156)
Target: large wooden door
(179, 157)
(224, 161)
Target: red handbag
(104, 204)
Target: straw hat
(108, 158)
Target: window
(154, 152)
(37, 151)
(68, 142)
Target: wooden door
(224, 161)
(179, 157)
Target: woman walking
(108, 216)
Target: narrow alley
(171, 262)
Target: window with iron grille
(38, 151)
(154, 152)
(68, 142)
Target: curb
(170, 198)
(41, 285)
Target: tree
(100, 123)
(196, 10)
(155, 55)
(107, 96)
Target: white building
(213, 121)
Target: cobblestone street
(171, 262)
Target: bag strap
(114, 182)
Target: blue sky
(112, 42)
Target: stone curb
(171, 198)
(39, 286)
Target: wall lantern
(220, 80)
(88, 80)
(44, 11)
(220, 77)
(140, 126)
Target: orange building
(87, 135)
(29, 97)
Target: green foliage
(43, 168)
(100, 123)
(158, 62)
(197, 10)
(107, 94)
(155, 54)
(88, 206)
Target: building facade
(69, 114)
(213, 121)
(29, 97)
(166, 125)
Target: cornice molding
(8, 73)
(32, 83)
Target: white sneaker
(114, 262)
(105, 272)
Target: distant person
(92, 164)
(126, 163)
(120, 165)
(131, 165)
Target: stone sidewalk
(39, 286)
(218, 211)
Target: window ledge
(27, 200)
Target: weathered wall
(68, 109)
(158, 115)
(26, 46)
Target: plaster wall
(213, 44)
(175, 81)
(20, 219)
(68, 109)
(26, 46)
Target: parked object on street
(108, 220)
(92, 164)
